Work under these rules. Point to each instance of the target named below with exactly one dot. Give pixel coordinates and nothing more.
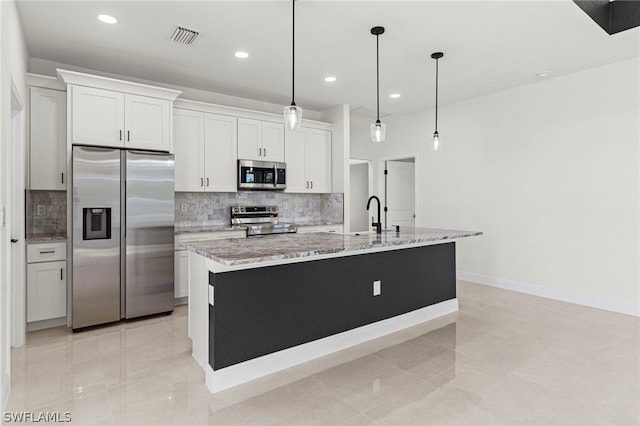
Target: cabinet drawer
(180, 239)
(46, 252)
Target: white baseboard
(234, 375)
(608, 304)
(6, 386)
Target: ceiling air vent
(184, 36)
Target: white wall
(13, 65)
(549, 172)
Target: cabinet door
(188, 150)
(272, 141)
(319, 160)
(147, 123)
(249, 143)
(220, 153)
(295, 157)
(48, 144)
(97, 116)
(181, 273)
(46, 290)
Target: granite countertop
(266, 248)
(206, 228)
(45, 238)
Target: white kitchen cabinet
(308, 158)
(260, 140)
(305, 229)
(47, 139)
(46, 281)
(205, 151)
(181, 273)
(181, 255)
(110, 118)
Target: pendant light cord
(293, 54)
(437, 95)
(378, 77)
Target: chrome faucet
(378, 224)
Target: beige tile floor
(504, 358)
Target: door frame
(416, 182)
(16, 193)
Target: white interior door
(400, 193)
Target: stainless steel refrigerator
(123, 232)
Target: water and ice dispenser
(96, 223)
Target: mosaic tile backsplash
(46, 213)
(212, 209)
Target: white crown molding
(244, 113)
(89, 80)
(564, 295)
(44, 81)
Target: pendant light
(378, 129)
(293, 113)
(436, 135)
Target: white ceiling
(488, 46)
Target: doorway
(399, 192)
(361, 177)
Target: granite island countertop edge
(290, 246)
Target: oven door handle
(275, 175)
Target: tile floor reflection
(504, 358)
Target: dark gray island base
(262, 317)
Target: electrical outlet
(183, 207)
(40, 210)
(377, 287)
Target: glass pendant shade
(437, 145)
(378, 131)
(292, 116)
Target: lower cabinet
(46, 281)
(181, 256)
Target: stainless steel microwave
(261, 175)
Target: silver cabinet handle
(62, 177)
(47, 251)
(265, 151)
(259, 152)
(307, 185)
(128, 136)
(311, 184)
(120, 135)
(201, 181)
(61, 274)
(207, 181)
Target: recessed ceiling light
(394, 95)
(108, 19)
(241, 55)
(330, 79)
(543, 74)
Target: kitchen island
(262, 304)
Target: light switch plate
(377, 287)
(183, 207)
(40, 210)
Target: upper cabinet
(47, 139)
(260, 140)
(115, 113)
(205, 149)
(308, 158)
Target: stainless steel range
(260, 220)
